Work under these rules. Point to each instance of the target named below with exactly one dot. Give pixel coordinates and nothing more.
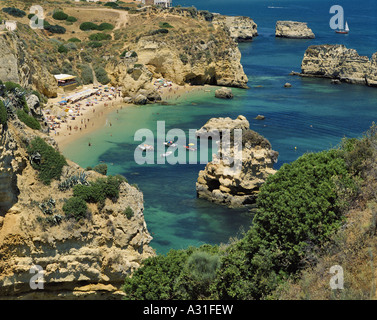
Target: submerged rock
(293, 30)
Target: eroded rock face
(236, 188)
(85, 259)
(18, 66)
(293, 30)
(211, 58)
(241, 29)
(338, 62)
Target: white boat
(167, 154)
(146, 147)
(190, 148)
(345, 31)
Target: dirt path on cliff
(121, 21)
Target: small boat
(170, 144)
(190, 148)
(146, 147)
(343, 31)
(166, 154)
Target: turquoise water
(311, 116)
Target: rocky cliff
(241, 29)
(218, 183)
(338, 62)
(81, 259)
(293, 30)
(191, 51)
(19, 66)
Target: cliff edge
(81, 258)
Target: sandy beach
(91, 113)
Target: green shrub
(98, 191)
(105, 26)
(86, 26)
(75, 208)
(156, 278)
(30, 121)
(3, 113)
(99, 37)
(94, 44)
(62, 49)
(71, 19)
(298, 210)
(197, 275)
(74, 40)
(52, 162)
(55, 29)
(10, 86)
(60, 15)
(86, 74)
(129, 213)
(101, 168)
(101, 75)
(111, 4)
(158, 31)
(357, 152)
(164, 25)
(14, 12)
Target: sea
(311, 116)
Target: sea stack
(293, 30)
(338, 62)
(236, 188)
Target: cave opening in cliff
(213, 185)
(197, 80)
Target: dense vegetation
(87, 26)
(30, 121)
(300, 208)
(99, 190)
(51, 161)
(14, 12)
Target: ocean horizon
(311, 116)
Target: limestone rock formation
(293, 30)
(338, 62)
(190, 58)
(18, 66)
(85, 259)
(224, 93)
(219, 183)
(223, 124)
(241, 29)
